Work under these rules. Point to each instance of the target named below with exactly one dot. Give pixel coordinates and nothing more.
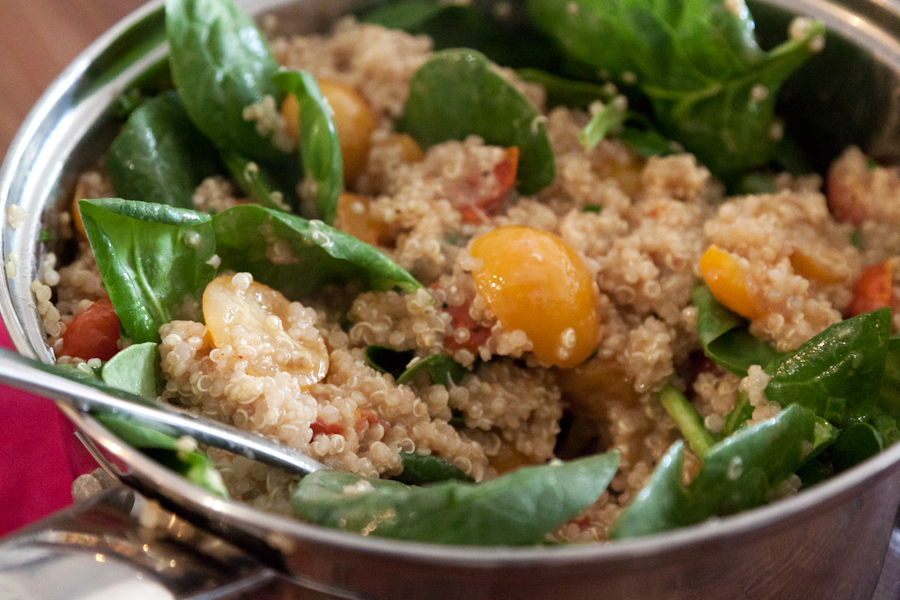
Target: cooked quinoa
(642, 252)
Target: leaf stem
(678, 407)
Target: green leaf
(160, 156)
(419, 469)
(857, 443)
(562, 91)
(735, 475)
(510, 40)
(152, 257)
(514, 509)
(221, 64)
(725, 336)
(256, 182)
(315, 253)
(647, 142)
(135, 369)
(320, 150)
(837, 373)
(194, 465)
(457, 93)
(711, 86)
(442, 369)
(689, 422)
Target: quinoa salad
(428, 306)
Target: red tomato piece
(94, 333)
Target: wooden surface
(38, 38)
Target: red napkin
(40, 457)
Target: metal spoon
(32, 376)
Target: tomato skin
(93, 334)
(319, 427)
(873, 290)
(486, 206)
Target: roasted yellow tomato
(252, 318)
(534, 282)
(725, 279)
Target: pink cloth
(39, 457)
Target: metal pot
(828, 542)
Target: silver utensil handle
(35, 377)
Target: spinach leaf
(725, 337)
(388, 360)
(221, 64)
(514, 509)
(735, 475)
(135, 369)
(320, 150)
(508, 40)
(160, 156)
(194, 465)
(255, 181)
(442, 369)
(889, 394)
(152, 257)
(711, 86)
(311, 253)
(457, 93)
(837, 373)
(646, 142)
(562, 91)
(678, 407)
(419, 469)
(857, 443)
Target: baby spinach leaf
(735, 475)
(221, 64)
(255, 181)
(647, 142)
(408, 15)
(562, 91)
(442, 369)
(889, 395)
(837, 373)
(509, 40)
(857, 443)
(457, 93)
(160, 156)
(711, 86)
(514, 509)
(193, 465)
(681, 411)
(152, 257)
(388, 360)
(320, 150)
(725, 337)
(135, 369)
(419, 469)
(309, 254)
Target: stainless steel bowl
(828, 542)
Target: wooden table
(38, 38)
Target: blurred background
(39, 456)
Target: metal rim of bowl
(259, 524)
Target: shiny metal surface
(36, 377)
(826, 543)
